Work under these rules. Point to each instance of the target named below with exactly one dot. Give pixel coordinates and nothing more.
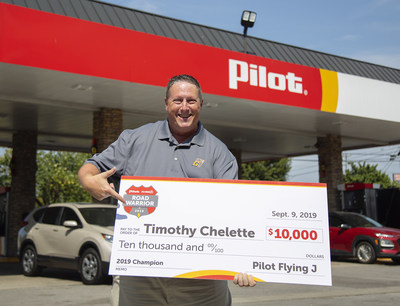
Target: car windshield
(99, 215)
(360, 221)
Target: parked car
(355, 235)
(70, 236)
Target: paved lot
(353, 283)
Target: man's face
(183, 105)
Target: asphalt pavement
(353, 283)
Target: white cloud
(143, 5)
(152, 6)
(390, 60)
(350, 37)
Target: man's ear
(166, 103)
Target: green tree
(269, 170)
(5, 171)
(56, 178)
(366, 173)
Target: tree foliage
(269, 170)
(366, 173)
(5, 171)
(56, 177)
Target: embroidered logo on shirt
(198, 162)
(140, 201)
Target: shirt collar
(165, 134)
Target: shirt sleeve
(114, 156)
(229, 170)
(225, 164)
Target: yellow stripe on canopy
(330, 90)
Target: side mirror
(343, 227)
(71, 224)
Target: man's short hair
(184, 78)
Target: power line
(386, 158)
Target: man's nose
(185, 105)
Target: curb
(9, 259)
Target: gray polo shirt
(151, 150)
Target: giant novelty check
(214, 229)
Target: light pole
(248, 20)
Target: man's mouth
(184, 117)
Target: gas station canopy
(61, 62)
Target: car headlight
(387, 243)
(107, 237)
(379, 235)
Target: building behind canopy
(74, 73)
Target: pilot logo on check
(140, 201)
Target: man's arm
(95, 182)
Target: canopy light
(248, 20)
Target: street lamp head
(248, 20)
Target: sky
(365, 30)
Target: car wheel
(90, 267)
(365, 253)
(29, 261)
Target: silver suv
(70, 236)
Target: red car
(355, 235)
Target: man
(169, 148)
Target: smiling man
(183, 103)
(177, 147)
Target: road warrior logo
(140, 201)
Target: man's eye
(180, 101)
